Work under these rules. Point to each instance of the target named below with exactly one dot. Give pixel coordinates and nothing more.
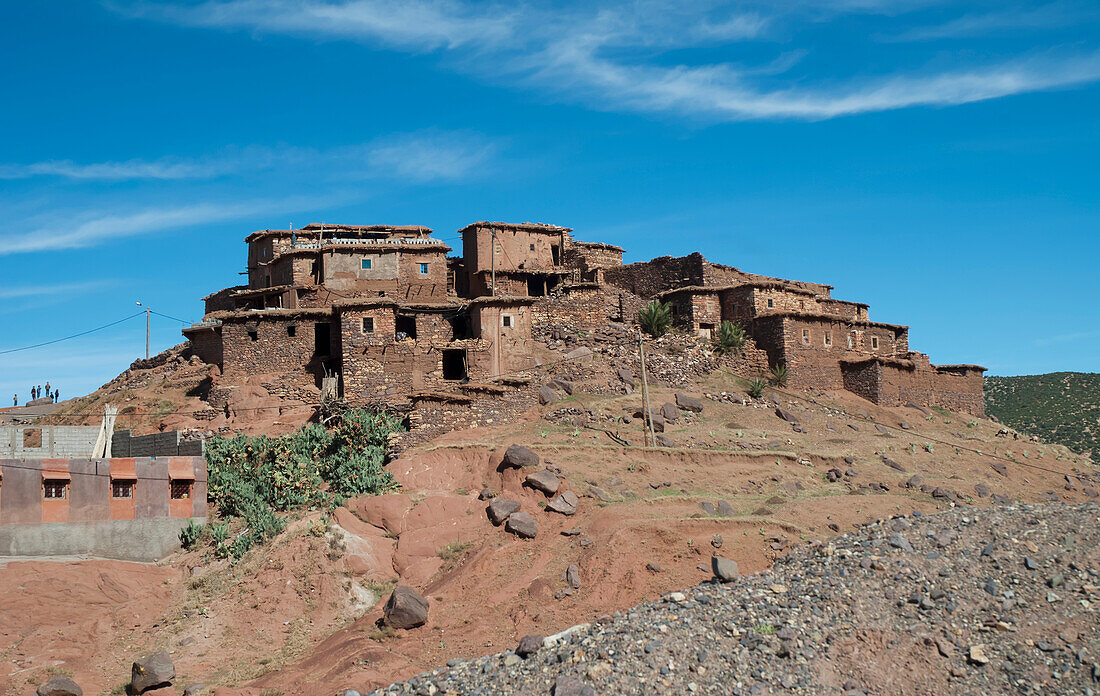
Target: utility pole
(147, 311)
(647, 420)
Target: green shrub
(756, 387)
(251, 479)
(190, 534)
(779, 374)
(655, 318)
(731, 337)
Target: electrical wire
(76, 335)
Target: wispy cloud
(420, 156)
(616, 55)
(1071, 337)
(94, 228)
(1008, 19)
(27, 291)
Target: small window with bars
(55, 490)
(806, 336)
(122, 488)
(181, 489)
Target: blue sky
(937, 160)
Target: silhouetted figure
(48, 392)
(15, 400)
(56, 395)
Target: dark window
(291, 331)
(806, 336)
(454, 364)
(122, 488)
(322, 341)
(367, 263)
(874, 343)
(423, 269)
(460, 327)
(771, 302)
(536, 287)
(506, 321)
(532, 247)
(404, 327)
(253, 334)
(828, 338)
(180, 489)
(555, 254)
(368, 325)
(55, 490)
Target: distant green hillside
(1062, 407)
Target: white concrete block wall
(57, 441)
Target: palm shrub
(756, 387)
(731, 337)
(779, 374)
(655, 318)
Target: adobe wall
(647, 278)
(274, 349)
(897, 385)
(206, 342)
(589, 255)
(509, 347)
(514, 249)
(571, 308)
(394, 272)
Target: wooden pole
(647, 420)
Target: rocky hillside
(969, 601)
(1060, 407)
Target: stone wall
(206, 342)
(570, 309)
(265, 344)
(896, 383)
(647, 278)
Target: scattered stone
(486, 494)
(999, 468)
(60, 685)
(599, 494)
(915, 481)
(900, 542)
(529, 645)
(883, 430)
(724, 569)
(670, 413)
(571, 686)
(904, 426)
(708, 507)
(892, 464)
(151, 671)
(626, 377)
(653, 567)
(545, 481)
(578, 353)
(787, 416)
(500, 509)
(982, 490)
(978, 655)
(194, 689)
(522, 525)
(664, 441)
(518, 456)
(406, 608)
(563, 384)
(689, 403)
(565, 504)
(547, 395)
(573, 576)
(724, 509)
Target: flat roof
(528, 226)
(815, 316)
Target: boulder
(658, 422)
(708, 507)
(573, 576)
(915, 481)
(406, 608)
(544, 481)
(518, 456)
(999, 468)
(501, 509)
(689, 403)
(529, 645)
(547, 395)
(626, 377)
(670, 412)
(787, 416)
(725, 509)
(982, 490)
(663, 441)
(522, 525)
(486, 494)
(724, 569)
(151, 671)
(563, 384)
(59, 685)
(564, 504)
(578, 353)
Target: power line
(159, 314)
(76, 335)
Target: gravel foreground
(969, 601)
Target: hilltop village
(382, 315)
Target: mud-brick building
(824, 342)
(388, 313)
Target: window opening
(454, 364)
(122, 488)
(180, 489)
(404, 327)
(55, 490)
(368, 325)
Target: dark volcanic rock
(500, 509)
(564, 504)
(689, 403)
(518, 456)
(522, 525)
(151, 671)
(406, 608)
(545, 481)
(59, 685)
